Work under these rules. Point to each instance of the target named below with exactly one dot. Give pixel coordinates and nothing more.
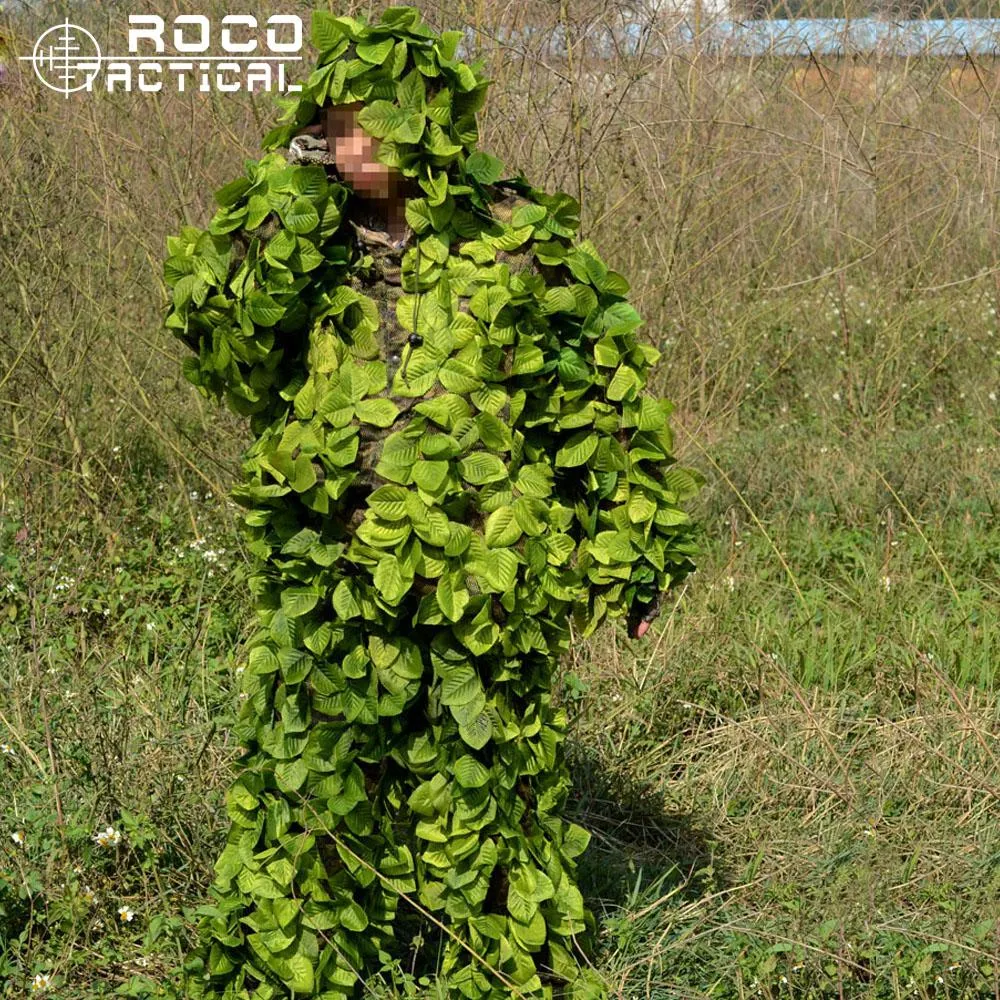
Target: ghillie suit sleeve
(454, 458)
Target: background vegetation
(793, 783)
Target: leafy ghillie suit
(454, 460)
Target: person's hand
(641, 616)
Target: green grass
(794, 777)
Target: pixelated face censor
(354, 151)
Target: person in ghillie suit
(455, 464)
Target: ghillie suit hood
(422, 536)
(420, 101)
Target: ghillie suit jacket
(454, 460)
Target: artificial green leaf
(484, 168)
(477, 733)
(389, 502)
(502, 528)
(390, 579)
(578, 449)
(430, 476)
(300, 216)
(380, 412)
(298, 601)
(470, 773)
(263, 310)
(481, 467)
(452, 598)
(353, 917)
(300, 974)
(624, 384)
(460, 686)
(375, 52)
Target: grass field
(793, 784)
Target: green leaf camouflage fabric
(454, 461)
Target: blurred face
(354, 151)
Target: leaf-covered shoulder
(242, 291)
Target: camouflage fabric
(379, 276)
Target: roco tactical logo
(67, 58)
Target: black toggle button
(416, 340)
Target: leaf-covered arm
(243, 291)
(611, 441)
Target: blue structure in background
(841, 37)
(787, 37)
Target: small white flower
(823, 451)
(886, 582)
(797, 968)
(783, 980)
(836, 397)
(952, 968)
(150, 626)
(77, 870)
(731, 582)
(18, 837)
(116, 449)
(239, 670)
(7, 750)
(40, 982)
(993, 397)
(125, 914)
(107, 836)
(88, 894)
(142, 961)
(868, 832)
(939, 980)
(193, 494)
(11, 588)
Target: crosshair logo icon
(66, 58)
